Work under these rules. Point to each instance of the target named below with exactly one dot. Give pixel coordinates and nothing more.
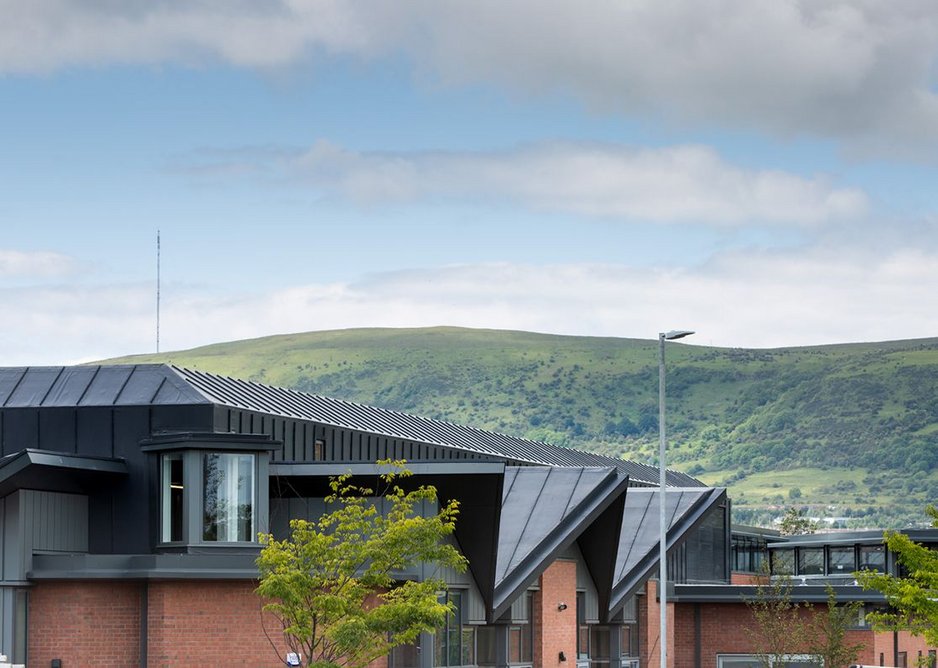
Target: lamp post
(662, 486)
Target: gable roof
(160, 384)
(544, 509)
(637, 553)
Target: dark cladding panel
(95, 432)
(34, 386)
(183, 418)
(130, 517)
(70, 386)
(9, 379)
(106, 386)
(57, 429)
(20, 429)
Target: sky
(761, 172)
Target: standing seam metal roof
(150, 384)
(340, 413)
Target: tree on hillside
(332, 583)
(913, 597)
(794, 522)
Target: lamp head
(674, 334)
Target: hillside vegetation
(849, 430)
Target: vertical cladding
(85, 623)
(555, 629)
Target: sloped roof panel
(637, 552)
(33, 387)
(123, 384)
(543, 510)
(350, 415)
(70, 386)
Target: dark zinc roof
(637, 553)
(148, 384)
(123, 385)
(544, 509)
(339, 413)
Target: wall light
(561, 606)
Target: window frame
(444, 650)
(192, 527)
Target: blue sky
(761, 172)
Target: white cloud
(33, 264)
(674, 184)
(852, 69)
(755, 299)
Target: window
(903, 660)
(748, 554)
(811, 561)
(455, 642)
(932, 658)
(873, 558)
(227, 497)
(783, 562)
(208, 497)
(582, 630)
(840, 560)
(172, 498)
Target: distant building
(131, 498)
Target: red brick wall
(723, 630)
(650, 629)
(555, 630)
(85, 623)
(911, 645)
(189, 623)
(210, 623)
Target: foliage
(731, 412)
(794, 522)
(913, 598)
(828, 632)
(332, 583)
(782, 627)
(777, 620)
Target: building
(131, 496)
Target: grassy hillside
(851, 430)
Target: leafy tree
(913, 598)
(828, 632)
(782, 627)
(794, 522)
(777, 620)
(333, 584)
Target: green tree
(777, 620)
(912, 598)
(333, 583)
(827, 633)
(782, 627)
(794, 522)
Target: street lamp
(662, 486)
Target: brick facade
(554, 629)
(85, 624)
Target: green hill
(848, 430)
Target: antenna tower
(157, 291)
